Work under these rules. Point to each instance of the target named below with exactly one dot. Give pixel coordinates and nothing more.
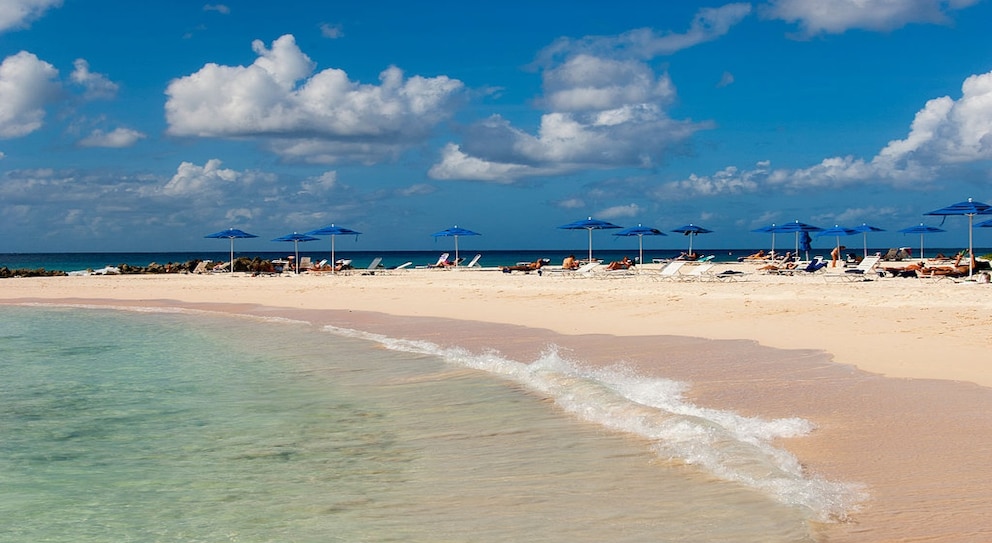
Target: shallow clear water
(168, 426)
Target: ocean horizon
(78, 261)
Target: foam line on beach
(722, 443)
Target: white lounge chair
(475, 261)
(860, 273)
(670, 271)
(373, 266)
(440, 261)
(696, 273)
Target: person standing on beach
(835, 255)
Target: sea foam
(724, 444)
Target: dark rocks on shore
(6, 272)
(241, 264)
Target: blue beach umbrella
(455, 232)
(865, 228)
(771, 229)
(837, 232)
(231, 234)
(589, 224)
(922, 229)
(296, 239)
(969, 209)
(692, 231)
(801, 229)
(640, 232)
(333, 231)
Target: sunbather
(570, 263)
(760, 255)
(528, 267)
(622, 264)
(955, 270)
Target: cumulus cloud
(279, 97)
(211, 180)
(95, 85)
(116, 138)
(27, 85)
(605, 107)
(944, 136)
(20, 13)
(838, 16)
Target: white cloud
(95, 85)
(331, 32)
(27, 85)
(619, 212)
(943, 136)
(605, 108)
(947, 130)
(19, 13)
(280, 97)
(644, 43)
(838, 16)
(117, 138)
(586, 83)
(212, 181)
(571, 203)
(457, 165)
(219, 8)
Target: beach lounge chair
(305, 263)
(696, 273)
(373, 266)
(860, 273)
(440, 261)
(583, 270)
(475, 261)
(670, 271)
(202, 267)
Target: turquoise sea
(169, 425)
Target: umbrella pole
(640, 251)
(690, 243)
(971, 259)
(456, 250)
(296, 251)
(334, 264)
(590, 244)
(232, 255)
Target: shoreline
(917, 443)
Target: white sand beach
(902, 407)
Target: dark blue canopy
(231, 234)
(640, 232)
(296, 239)
(589, 224)
(922, 229)
(970, 209)
(455, 232)
(333, 231)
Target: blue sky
(130, 126)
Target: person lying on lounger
(955, 270)
(622, 264)
(760, 255)
(528, 267)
